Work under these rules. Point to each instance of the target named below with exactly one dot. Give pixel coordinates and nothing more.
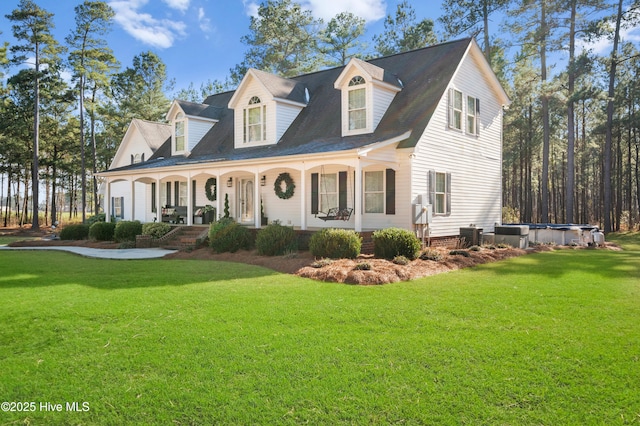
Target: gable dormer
(264, 107)
(189, 123)
(367, 91)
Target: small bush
(127, 230)
(505, 245)
(401, 260)
(475, 248)
(226, 235)
(100, 217)
(463, 253)
(156, 229)
(276, 240)
(391, 242)
(79, 231)
(363, 266)
(322, 263)
(335, 244)
(102, 231)
(431, 254)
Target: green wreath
(290, 186)
(208, 186)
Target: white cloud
(204, 22)
(603, 46)
(144, 27)
(251, 8)
(181, 5)
(369, 10)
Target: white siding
(473, 161)
(196, 131)
(285, 114)
(381, 100)
(134, 145)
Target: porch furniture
(335, 213)
(174, 214)
(203, 215)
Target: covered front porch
(302, 194)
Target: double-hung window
(179, 133)
(255, 124)
(357, 104)
(472, 115)
(374, 192)
(455, 109)
(328, 191)
(440, 192)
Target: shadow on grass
(559, 263)
(45, 269)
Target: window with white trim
(328, 191)
(179, 136)
(374, 192)
(357, 103)
(472, 115)
(440, 193)
(254, 121)
(455, 109)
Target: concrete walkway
(123, 254)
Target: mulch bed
(341, 270)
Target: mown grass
(550, 338)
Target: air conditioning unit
(472, 236)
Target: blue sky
(198, 39)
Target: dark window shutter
(142, 158)
(193, 193)
(477, 116)
(314, 193)
(390, 192)
(154, 208)
(113, 207)
(176, 193)
(431, 187)
(448, 194)
(342, 190)
(122, 208)
(132, 159)
(168, 194)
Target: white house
(364, 142)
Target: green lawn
(544, 339)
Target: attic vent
(306, 95)
(400, 82)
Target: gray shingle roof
(425, 74)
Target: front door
(246, 200)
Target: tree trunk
(570, 185)
(546, 131)
(607, 207)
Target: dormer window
(179, 136)
(255, 124)
(357, 103)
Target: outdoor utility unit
(421, 214)
(472, 236)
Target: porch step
(185, 237)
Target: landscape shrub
(362, 266)
(321, 263)
(78, 231)
(431, 254)
(127, 230)
(401, 260)
(336, 243)
(100, 217)
(156, 229)
(463, 253)
(391, 242)
(102, 231)
(276, 240)
(226, 235)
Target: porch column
(189, 202)
(257, 218)
(107, 200)
(303, 197)
(158, 205)
(133, 200)
(218, 195)
(358, 198)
